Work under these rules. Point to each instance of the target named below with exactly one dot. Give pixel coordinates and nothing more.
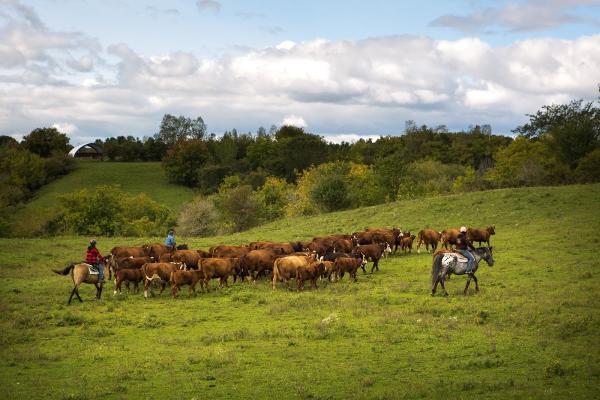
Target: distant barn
(89, 150)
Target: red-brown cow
(449, 237)
(180, 277)
(221, 268)
(406, 243)
(228, 251)
(481, 235)
(257, 262)
(373, 252)
(310, 272)
(429, 237)
(160, 272)
(128, 275)
(350, 265)
(189, 258)
(284, 268)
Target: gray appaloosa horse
(446, 263)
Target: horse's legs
(100, 291)
(77, 293)
(434, 287)
(476, 283)
(71, 297)
(468, 283)
(442, 279)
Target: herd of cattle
(324, 257)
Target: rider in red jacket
(93, 257)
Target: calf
(128, 275)
(350, 265)
(406, 243)
(309, 272)
(373, 252)
(221, 268)
(180, 277)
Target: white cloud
(368, 86)
(294, 120)
(65, 127)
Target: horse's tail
(436, 268)
(66, 270)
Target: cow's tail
(171, 276)
(275, 272)
(66, 270)
(436, 268)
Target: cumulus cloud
(369, 87)
(294, 120)
(65, 127)
(349, 137)
(155, 11)
(208, 6)
(531, 15)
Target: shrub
(273, 196)
(238, 208)
(588, 169)
(527, 163)
(109, 211)
(199, 218)
(427, 177)
(184, 161)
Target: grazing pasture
(532, 331)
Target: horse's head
(487, 255)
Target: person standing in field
(170, 240)
(94, 258)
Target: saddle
(93, 269)
(459, 257)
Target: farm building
(88, 150)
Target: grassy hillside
(531, 332)
(133, 177)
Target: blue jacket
(170, 241)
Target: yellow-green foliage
(334, 186)
(109, 211)
(525, 163)
(274, 195)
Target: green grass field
(532, 331)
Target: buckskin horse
(81, 273)
(446, 263)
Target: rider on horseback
(94, 258)
(462, 246)
(170, 240)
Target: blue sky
(340, 68)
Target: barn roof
(94, 146)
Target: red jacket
(92, 256)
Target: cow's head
(491, 229)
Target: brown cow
(122, 252)
(328, 270)
(160, 272)
(256, 262)
(133, 262)
(481, 235)
(449, 237)
(310, 272)
(381, 235)
(128, 275)
(180, 277)
(203, 254)
(343, 246)
(350, 265)
(189, 258)
(320, 247)
(156, 250)
(228, 251)
(284, 268)
(221, 268)
(166, 257)
(406, 243)
(429, 237)
(373, 252)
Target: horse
(446, 263)
(80, 273)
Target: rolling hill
(531, 332)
